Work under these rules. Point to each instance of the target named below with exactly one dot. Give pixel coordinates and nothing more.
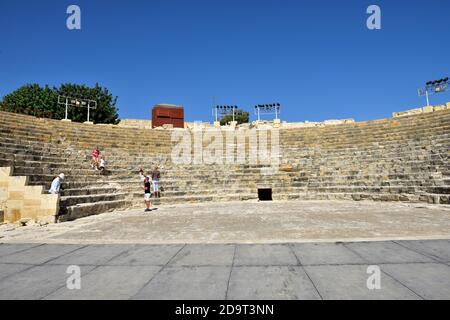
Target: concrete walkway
(409, 270)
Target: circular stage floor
(248, 222)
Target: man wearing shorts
(147, 194)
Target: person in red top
(95, 158)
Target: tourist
(56, 184)
(156, 175)
(95, 158)
(141, 175)
(147, 194)
(103, 164)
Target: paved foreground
(409, 270)
(248, 222)
(245, 250)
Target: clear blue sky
(317, 58)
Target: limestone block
(16, 194)
(17, 181)
(407, 113)
(439, 108)
(34, 192)
(22, 201)
(30, 212)
(286, 168)
(30, 202)
(216, 124)
(14, 204)
(276, 123)
(11, 215)
(333, 122)
(3, 193)
(50, 201)
(447, 105)
(5, 171)
(428, 109)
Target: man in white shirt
(56, 184)
(103, 164)
(141, 175)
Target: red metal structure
(167, 114)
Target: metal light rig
(77, 102)
(225, 110)
(434, 87)
(273, 108)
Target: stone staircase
(405, 159)
(20, 202)
(401, 159)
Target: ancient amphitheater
(401, 159)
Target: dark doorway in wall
(265, 194)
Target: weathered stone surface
(145, 255)
(187, 283)
(264, 255)
(92, 255)
(272, 283)
(325, 253)
(36, 282)
(40, 254)
(428, 280)
(13, 248)
(22, 203)
(437, 249)
(247, 222)
(347, 282)
(329, 271)
(204, 255)
(401, 159)
(108, 283)
(386, 252)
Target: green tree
(33, 100)
(240, 116)
(43, 102)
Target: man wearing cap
(56, 184)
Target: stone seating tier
(401, 159)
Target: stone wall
(416, 111)
(19, 201)
(135, 123)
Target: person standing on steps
(141, 175)
(156, 175)
(147, 194)
(102, 165)
(95, 158)
(56, 184)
